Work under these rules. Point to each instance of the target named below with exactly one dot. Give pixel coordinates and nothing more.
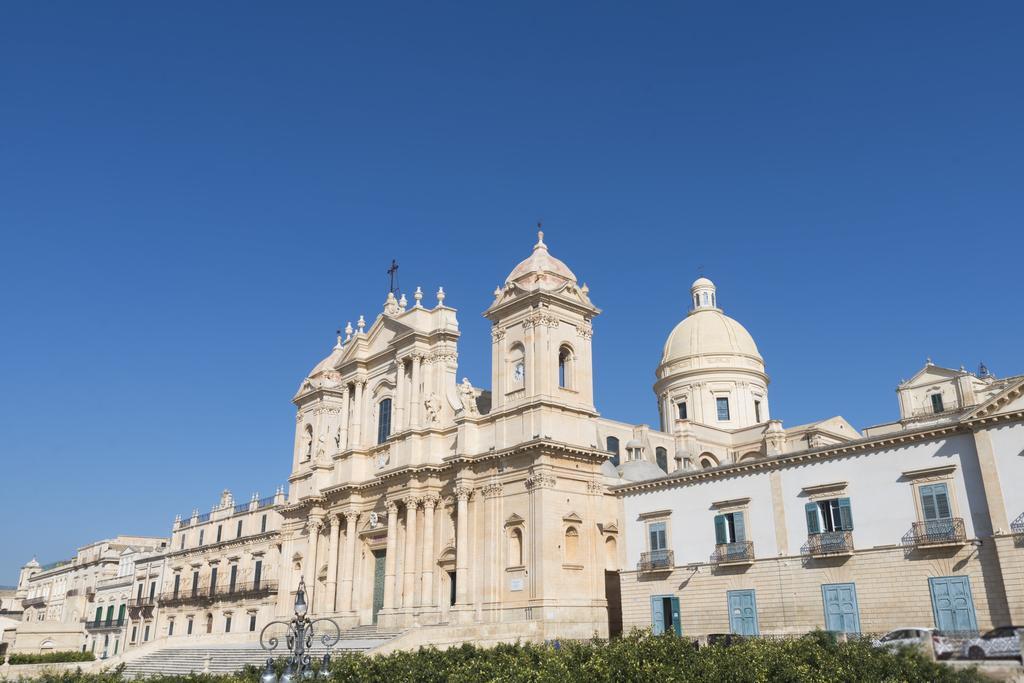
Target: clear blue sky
(194, 196)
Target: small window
(227, 624)
(757, 411)
(195, 584)
(219, 530)
(937, 403)
(935, 502)
(177, 584)
(188, 628)
(730, 528)
(170, 627)
(252, 622)
(682, 410)
(145, 634)
(201, 533)
(182, 544)
(238, 530)
(722, 403)
(257, 574)
(565, 363)
(829, 515)
(656, 535)
(612, 444)
(515, 548)
(661, 456)
(384, 420)
(263, 525)
(572, 545)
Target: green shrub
(53, 657)
(636, 658)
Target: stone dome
(640, 470)
(541, 270)
(706, 330)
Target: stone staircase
(225, 659)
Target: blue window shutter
(741, 532)
(677, 623)
(845, 514)
(720, 535)
(928, 503)
(813, 525)
(941, 495)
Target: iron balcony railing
(937, 532)
(733, 553)
(104, 624)
(146, 601)
(32, 602)
(1017, 525)
(205, 517)
(203, 594)
(656, 561)
(265, 502)
(830, 543)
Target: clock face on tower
(519, 374)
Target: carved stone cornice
(411, 501)
(314, 525)
(539, 319)
(442, 357)
(594, 486)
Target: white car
(999, 643)
(912, 637)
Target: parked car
(999, 643)
(912, 637)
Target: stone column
(349, 561)
(343, 419)
(400, 391)
(409, 557)
(416, 412)
(312, 541)
(332, 564)
(462, 494)
(427, 546)
(389, 561)
(356, 428)
(492, 551)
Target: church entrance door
(379, 557)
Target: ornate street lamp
(299, 639)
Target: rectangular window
(139, 596)
(238, 531)
(219, 530)
(177, 584)
(829, 515)
(99, 614)
(152, 590)
(682, 410)
(145, 634)
(170, 627)
(263, 525)
(384, 420)
(188, 629)
(730, 528)
(195, 583)
(120, 614)
(252, 622)
(213, 581)
(201, 532)
(117, 643)
(231, 580)
(135, 633)
(935, 502)
(936, 403)
(257, 574)
(227, 624)
(757, 411)
(722, 403)
(656, 532)
(182, 544)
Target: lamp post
(299, 640)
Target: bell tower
(541, 331)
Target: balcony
(937, 532)
(830, 543)
(104, 624)
(141, 603)
(727, 554)
(37, 601)
(656, 561)
(1017, 526)
(204, 595)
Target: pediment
(514, 519)
(572, 517)
(930, 374)
(377, 339)
(1009, 400)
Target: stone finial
(361, 323)
(928, 361)
(338, 344)
(585, 289)
(402, 303)
(418, 296)
(497, 292)
(540, 239)
(440, 296)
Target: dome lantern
(702, 294)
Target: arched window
(704, 298)
(566, 378)
(515, 547)
(307, 442)
(383, 420)
(661, 456)
(707, 461)
(572, 545)
(611, 554)
(612, 444)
